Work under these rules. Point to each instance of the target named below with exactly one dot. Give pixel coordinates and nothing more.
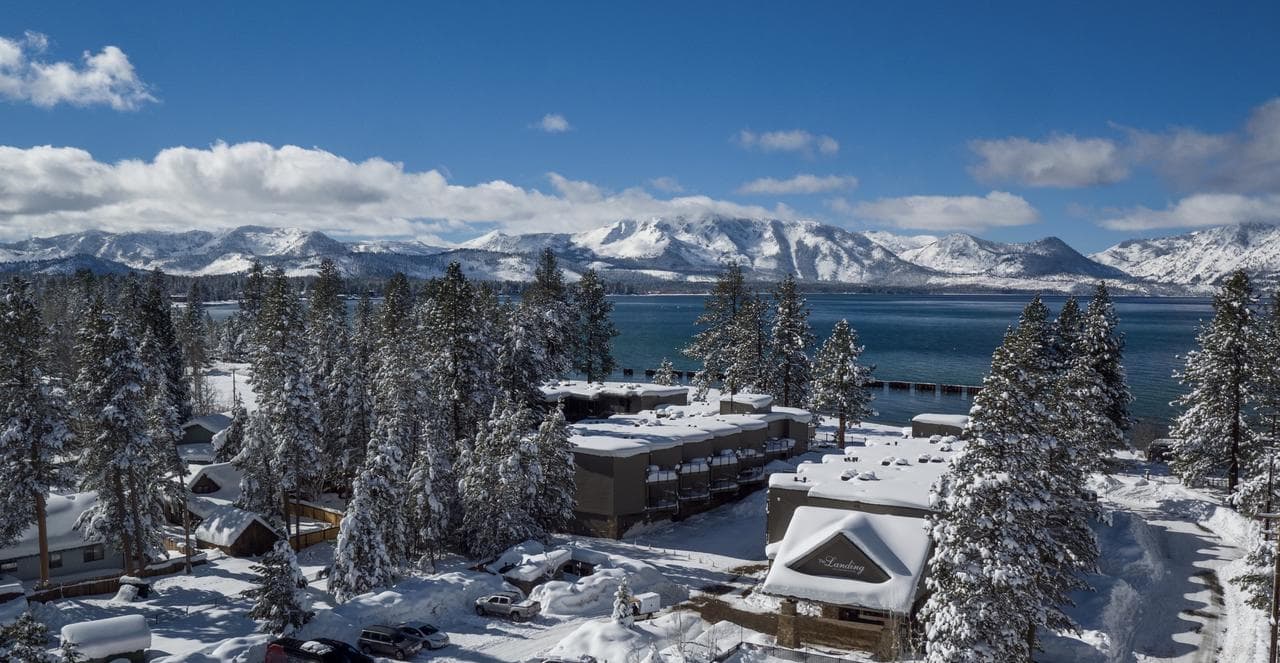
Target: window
(9, 566)
(55, 560)
(94, 553)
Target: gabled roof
(210, 422)
(223, 524)
(850, 558)
(61, 514)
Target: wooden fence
(107, 584)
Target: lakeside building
(848, 537)
(671, 459)
(925, 425)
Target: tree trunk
(42, 533)
(840, 430)
(1233, 471)
(126, 541)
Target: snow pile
(11, 610)
(671, 638)
(417, 599)
(529, 561)
(113, 636)
(593, 594)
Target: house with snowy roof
(848, 537)
(70, 554)
(677, 460)
(585, 400)
(196, 443)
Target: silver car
(431, 637)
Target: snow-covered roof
(210, 422)
(61, 513)
(225, 475)
(850, 558)
(199, 452)
(593, 390)
(106, 638)
(957, 420)
(886, 470)
(629, 437)
(222, 524)
(536, 566)
(756, 401)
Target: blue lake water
(924, 338)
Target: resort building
(585, 400)
(848, 537)
(673, 459)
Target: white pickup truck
(508, 605)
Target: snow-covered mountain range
(683, 250)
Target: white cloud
(104, 78)
(944, 213)
(1060, 161)
(50, 190)
(553, 123)
(800, 184)
(1202, 209)
(666, 184)
(793, 140)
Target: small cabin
(232, 530)
(69, 552)
(928, 425)
(202, 429)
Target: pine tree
(227, 444)
(328, 364)
(789, 343)
(259, 476)
(167, 358)
(279, 600)
(286, 402)
(1264, 370)
(253, 292)
(118, 461)
(357, 411)
(34, 421)
(194, 334)
(548, 299)
(719, 320)
(69, 652)
(557, 491)
(622, 612)
(522, 362)
(1104, 343)
(1212, 432)
(500, 482)
(592, 354)
(840, 380)
(360, 559)
(747, 365)
(26, 640)
(666, 373)
(1258, 576)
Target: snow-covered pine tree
(195, 347)
(522, 362)
(1212, 433)
(1257, 578)
(434, 497)
(500, 482)
(259, 478)
(719, 320)
(666, 373)
(557, 491)
(169, 357)
(593, 339)
(1264, 370)
(789, 342)
(747, 362)
(279, 600)
(458, 344)
(328, 362)
(391, 449)
(360, 559)
(227, 444)
(26, 640)
(116, 461)
(622, 612)
(357, 422)
(35, 424)
(253, 291)
(1067, 330)
(286, 402)
(1104, 342)
(840, 379)
(548, 300)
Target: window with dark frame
(55, 560)
(8, 566)
(94, 553)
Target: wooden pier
(940, 388)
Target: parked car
(508, 605)
(321, 650)
(388, 641)
(431, 637)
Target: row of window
(92, 553)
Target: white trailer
(646, 604)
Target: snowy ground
(1162, 594)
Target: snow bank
(417, 599)
(11, 610)
(606, 640)
(593, 594)
(113, 636)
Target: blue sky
(1100, 121)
